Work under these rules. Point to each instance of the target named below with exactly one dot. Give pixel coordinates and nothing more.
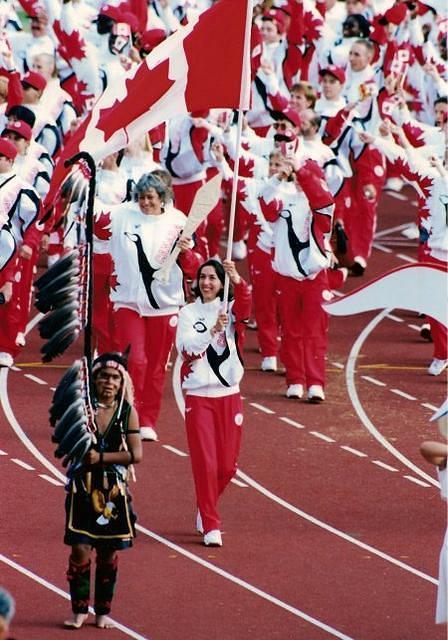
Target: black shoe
(425, 332)
(341, 238)
(357, 269)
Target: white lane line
(34, 378)
(239, 483)
(338, 365)
(244, 584)
(293, 423)
(322, 436)
(51, 480)
(381, 247)
(178, 452)
(398, 392)
(14, 368)
(260, 407)
(180, 550)
(53, 388)
(374, 381)
(406, 258)
(429, 406)
(355, 452)
(397, 196)
(51, 587)
(336, 532)
(417, 481)
(244, 477)
(179, 400)
(387, 232)
(383, 465)
(3, 453)
(164, 541)
(392, 317)
(22, 464)
(4, 402)
(415, 327)
(353, 394)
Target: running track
(331, 530)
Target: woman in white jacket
(209, 340)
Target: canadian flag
(203, 65)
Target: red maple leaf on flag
(113, 282)
(73, 45)
(148, 86)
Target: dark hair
(442, 100)
(219, 272)
(357, 19)
(22, 113)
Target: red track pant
(102, 307)
(214, 437)
(360, 218)
(151, 339)
(304, 328)
(438, 330)
(15, 314)
(263, 280)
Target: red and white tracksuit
(259, 196)
(19, 211)
(302, 230)
(211, 373)
(111, 189)
(145, 309)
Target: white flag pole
(244, 103)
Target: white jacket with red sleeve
(212, 365)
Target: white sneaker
(394, 184)
(411, 232)
(199, 525)
(294, 391)
(20, 339)
(213, 538)
(148, 433)
(239, 250)
(269, 363)
(6, 359)
(437, 366)
(315, 394)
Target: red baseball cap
(111, 12)
(150, 39)
(21, 128)
(278, 16)
(7, 149)
(336, 72)
(288, 114)
(395, 15)
(35, 80)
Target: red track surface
(376, 583)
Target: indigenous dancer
(98, 504)
(209, 341)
